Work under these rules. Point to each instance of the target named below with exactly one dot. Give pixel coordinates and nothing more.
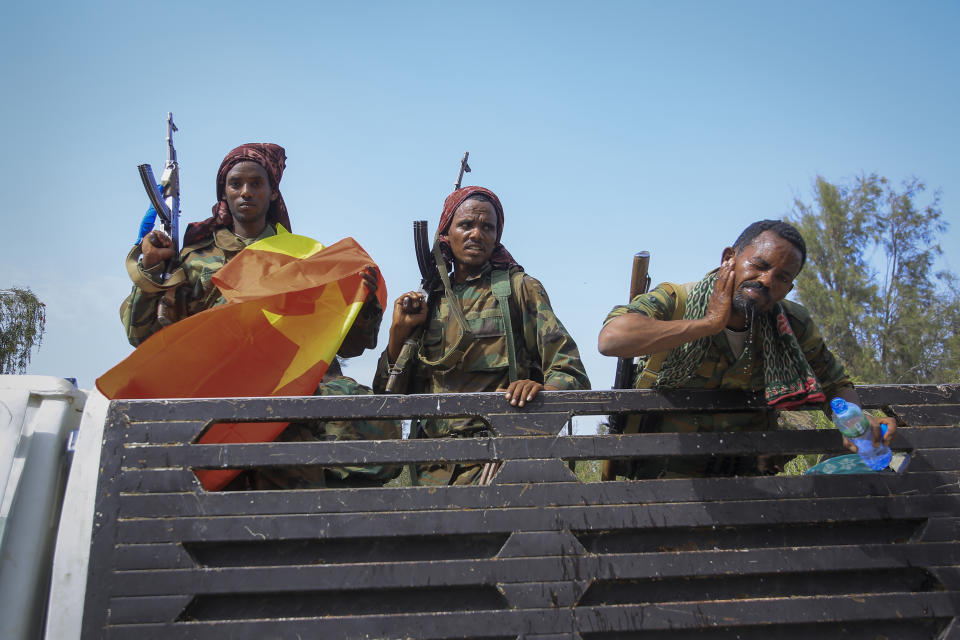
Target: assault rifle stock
(639, 283)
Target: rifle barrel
(171, 151)
(463, 167)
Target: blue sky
(605, 128)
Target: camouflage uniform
(199, 263)
(721, 369)
(313, 477)
(545, 351)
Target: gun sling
(651, 368)
(147, 285)
(654, 362)
(501, 288)
(452, 357)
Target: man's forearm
(634, 334)
(394, 345)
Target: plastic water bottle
(852, 423)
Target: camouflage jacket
(198, 262)
(545, 351)
(313, 477)
(721, 369)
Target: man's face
(363, 333)
(473, 234)
(248, 193)
(764, 272)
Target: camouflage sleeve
(358, 430)
(138, 313)
(828, 369)
(544, 334)
(657, 304)
(381, 374)
(198, 263)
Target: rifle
(639, 283)
(430, 280)
(165, 199)
(165, 196)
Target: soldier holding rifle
(514, 343)
(249, 207)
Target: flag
(290, 303)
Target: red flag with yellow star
(290, 303)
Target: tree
(22, 322)
(870, 283)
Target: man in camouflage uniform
(249, 207)
(546, 357)
(736, 331)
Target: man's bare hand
(521, 392)
(720, 304)
(156, 247)
(370, 277)
(409, 312)
(877, 429)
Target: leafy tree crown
(22, 322)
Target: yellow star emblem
(317, 335)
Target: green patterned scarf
(788, 379)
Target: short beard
(747, 305)
(744, 305)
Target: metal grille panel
(536, 554)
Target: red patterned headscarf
(501, 258)
(272, 158)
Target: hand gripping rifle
(429, 279)
(432, 274)
(165, 198)
(639, 283)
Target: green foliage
(588, 470)
(803, 420)
(870, 284)
(22, 322)
(403, 480)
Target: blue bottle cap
(838, 405)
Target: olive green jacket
(545, 351)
